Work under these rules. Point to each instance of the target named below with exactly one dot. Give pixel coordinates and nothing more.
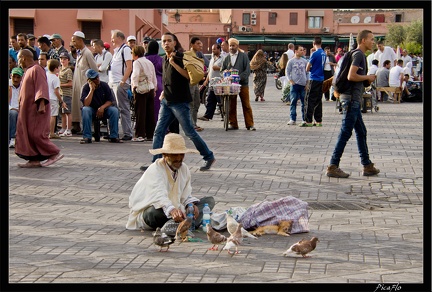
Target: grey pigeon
(162, 240)
(303, 247)
(215, 237)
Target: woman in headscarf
(259, 66)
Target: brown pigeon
(232, 226)
(215, 237)
(162, 240)
(234, 240)
(183, 228)
(302, 247)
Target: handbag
(143, 84)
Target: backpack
(194, 66)
(342, 83)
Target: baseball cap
(107, 45)
(131, 38)
(64, 55)
(18, 71)
(55, 36)
(30, 36)
(79, 34)
(146, 39)
(91, 74)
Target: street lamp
(177, 16)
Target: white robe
(157, 188)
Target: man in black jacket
(175, 99)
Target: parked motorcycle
(278, 83)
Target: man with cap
(84, 61)
(56, 41)
(239, 60)
(22, 42)
(131, 40)
(164, 190)
(145, 43)
(98, 102)
(31, 41)
(32, 141)
(14, 90)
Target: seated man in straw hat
(164, 190)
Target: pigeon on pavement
(215, 237)
(303, 247)
(232, 226)
(234, 240)
(162, 240)
(183, 228)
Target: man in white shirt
(119, 79)
(385, 53)
(290, 51)
(371, 57)
(405, 58)
(103, 59)
(396, 75)
(14, 89)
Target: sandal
(52, 160)
(198, 129)
(115, 140)
(85, 141)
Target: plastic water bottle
(190, 214)
(206, 217)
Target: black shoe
(252, 128)
(232, 128)
(207, 165)
(144, 167)
(126, 138)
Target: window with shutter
(91, 30)
(293, 18)
(23, 25)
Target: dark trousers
(144, 112)
(327, 75)
(212, 101)
(157, 218)
(313, 102)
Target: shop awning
(249, 39)
(278, 40)
(22, 13)
(89, 14)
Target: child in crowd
(66, 77)
(54, 94)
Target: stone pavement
(67, 221)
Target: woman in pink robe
(32, 140)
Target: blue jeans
(297, 92)
(351, 119)
(13, 118)
(88, 114)
(168, 112)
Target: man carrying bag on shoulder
(350, 97)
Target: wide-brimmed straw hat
(173, 144)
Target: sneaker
(369, 170)
(207, 164)
(334, 171)
(61, 131)
(318, 124)
(12, 143)
(252, 128)
(291, 122)
(306, 124)
(66, 133)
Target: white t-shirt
(15, 95)
(53, 83)
(394, 76)
(406, 59)
(290, 54)
(387, 54)
(115, 74)
(104, 59)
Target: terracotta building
(268, 29)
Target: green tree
(414, 31)
(395, 36)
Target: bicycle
(226, 92)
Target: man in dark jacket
(175, 99)
(240, 61)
